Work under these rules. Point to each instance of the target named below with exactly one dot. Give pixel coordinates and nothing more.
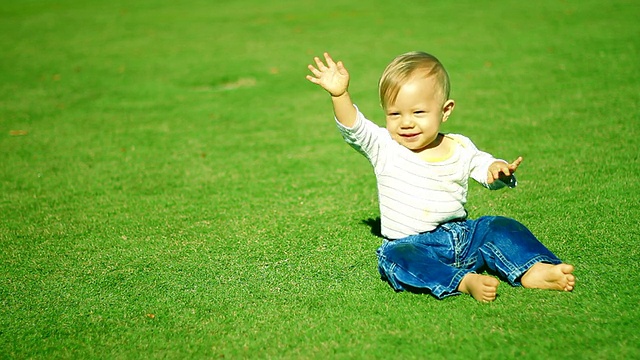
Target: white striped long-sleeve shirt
(416, 196)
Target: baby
(430, 246)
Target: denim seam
(455, 282)
(462, 266)
(511, 269)
(389, 270)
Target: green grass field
(173, 187)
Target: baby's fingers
(319, 64)
(313, 80)
(514, 165)
(493, 175)
(341, 69)
(517, 162)
(501, 170)
(329, 60)
(314, 71)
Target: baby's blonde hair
(404, 67)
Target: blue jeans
(436, 261)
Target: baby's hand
(333, 77)
(501, 171)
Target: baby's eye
(394, 114)
(419, 112)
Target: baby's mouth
(410, 136)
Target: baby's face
(414, 119)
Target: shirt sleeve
(364, 136)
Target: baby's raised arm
(334, 78)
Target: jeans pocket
(461, 240)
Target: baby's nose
(406, 122)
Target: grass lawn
(172, 187)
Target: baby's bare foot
(482, 287)
(550, 277)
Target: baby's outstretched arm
(334, 78)
(501, 171)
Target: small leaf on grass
(245, 82)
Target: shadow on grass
(374, 225)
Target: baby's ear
(447, 108)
